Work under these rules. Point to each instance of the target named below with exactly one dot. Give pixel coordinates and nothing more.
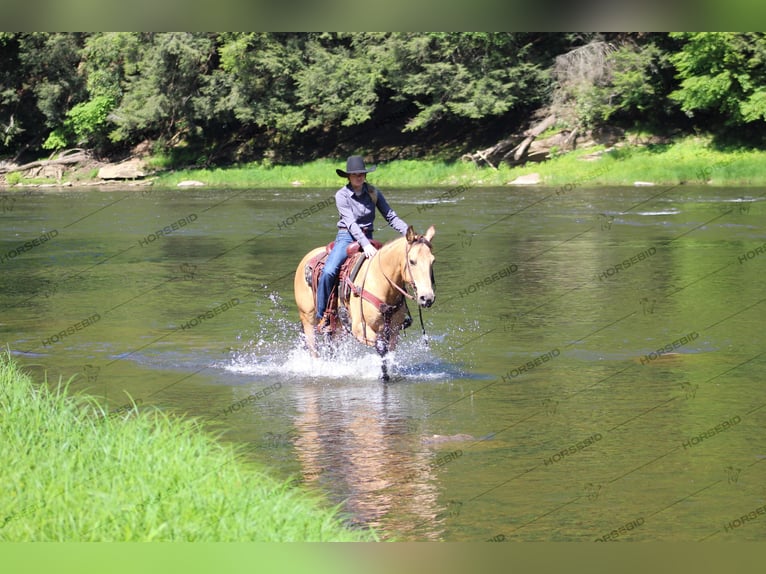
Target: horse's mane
(391, 242)
(419, 239)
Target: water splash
(347, 359)
(278, 349)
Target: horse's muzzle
(426, 300)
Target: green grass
(687, 161)
(16, 178)
(68, 474)
(321, 173)
(690, 161)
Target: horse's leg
(309, 333)
(304, 299)
(381, 346)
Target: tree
(722, 75)
(50, 63)
(162, 88)
(39, 80)
(468, 76)
(258, 75)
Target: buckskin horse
(371, 294)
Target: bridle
(388, 310)
(411, 282)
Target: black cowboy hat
(354, 164)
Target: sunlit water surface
(593, 368)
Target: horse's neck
(391, 257)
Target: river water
(593, 368)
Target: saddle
(348, 271)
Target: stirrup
(324, 326)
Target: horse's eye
(413, 262)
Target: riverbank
(685, 162)
(71, 474)
(689, 161)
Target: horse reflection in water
(354, 443)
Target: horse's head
(419, 265)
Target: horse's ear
(430, 233)
(411, 235)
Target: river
(593, 368)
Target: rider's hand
(369, 250)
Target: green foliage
(692, 161)
(108, 59)
(723, 74)
(258, 71)
(464, 75)
(50, 61)
(603, 82)
(635, 86)
(85, 124)
(89, 118)
(161, 92)
(340, 84)
(13, 178)
(57, 140)
(246, 95)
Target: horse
(376, 302)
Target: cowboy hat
(354, 164)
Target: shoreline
(691, 161)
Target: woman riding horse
(356, 202)
(374, 303)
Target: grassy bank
(688, 161)
(69, 475)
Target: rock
(528, 179)
(190, 183)
(62, 184)
(47, 172)
(596, 155)
(130, 169)
(608, 135)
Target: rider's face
(356, 179)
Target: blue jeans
(331, 269)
